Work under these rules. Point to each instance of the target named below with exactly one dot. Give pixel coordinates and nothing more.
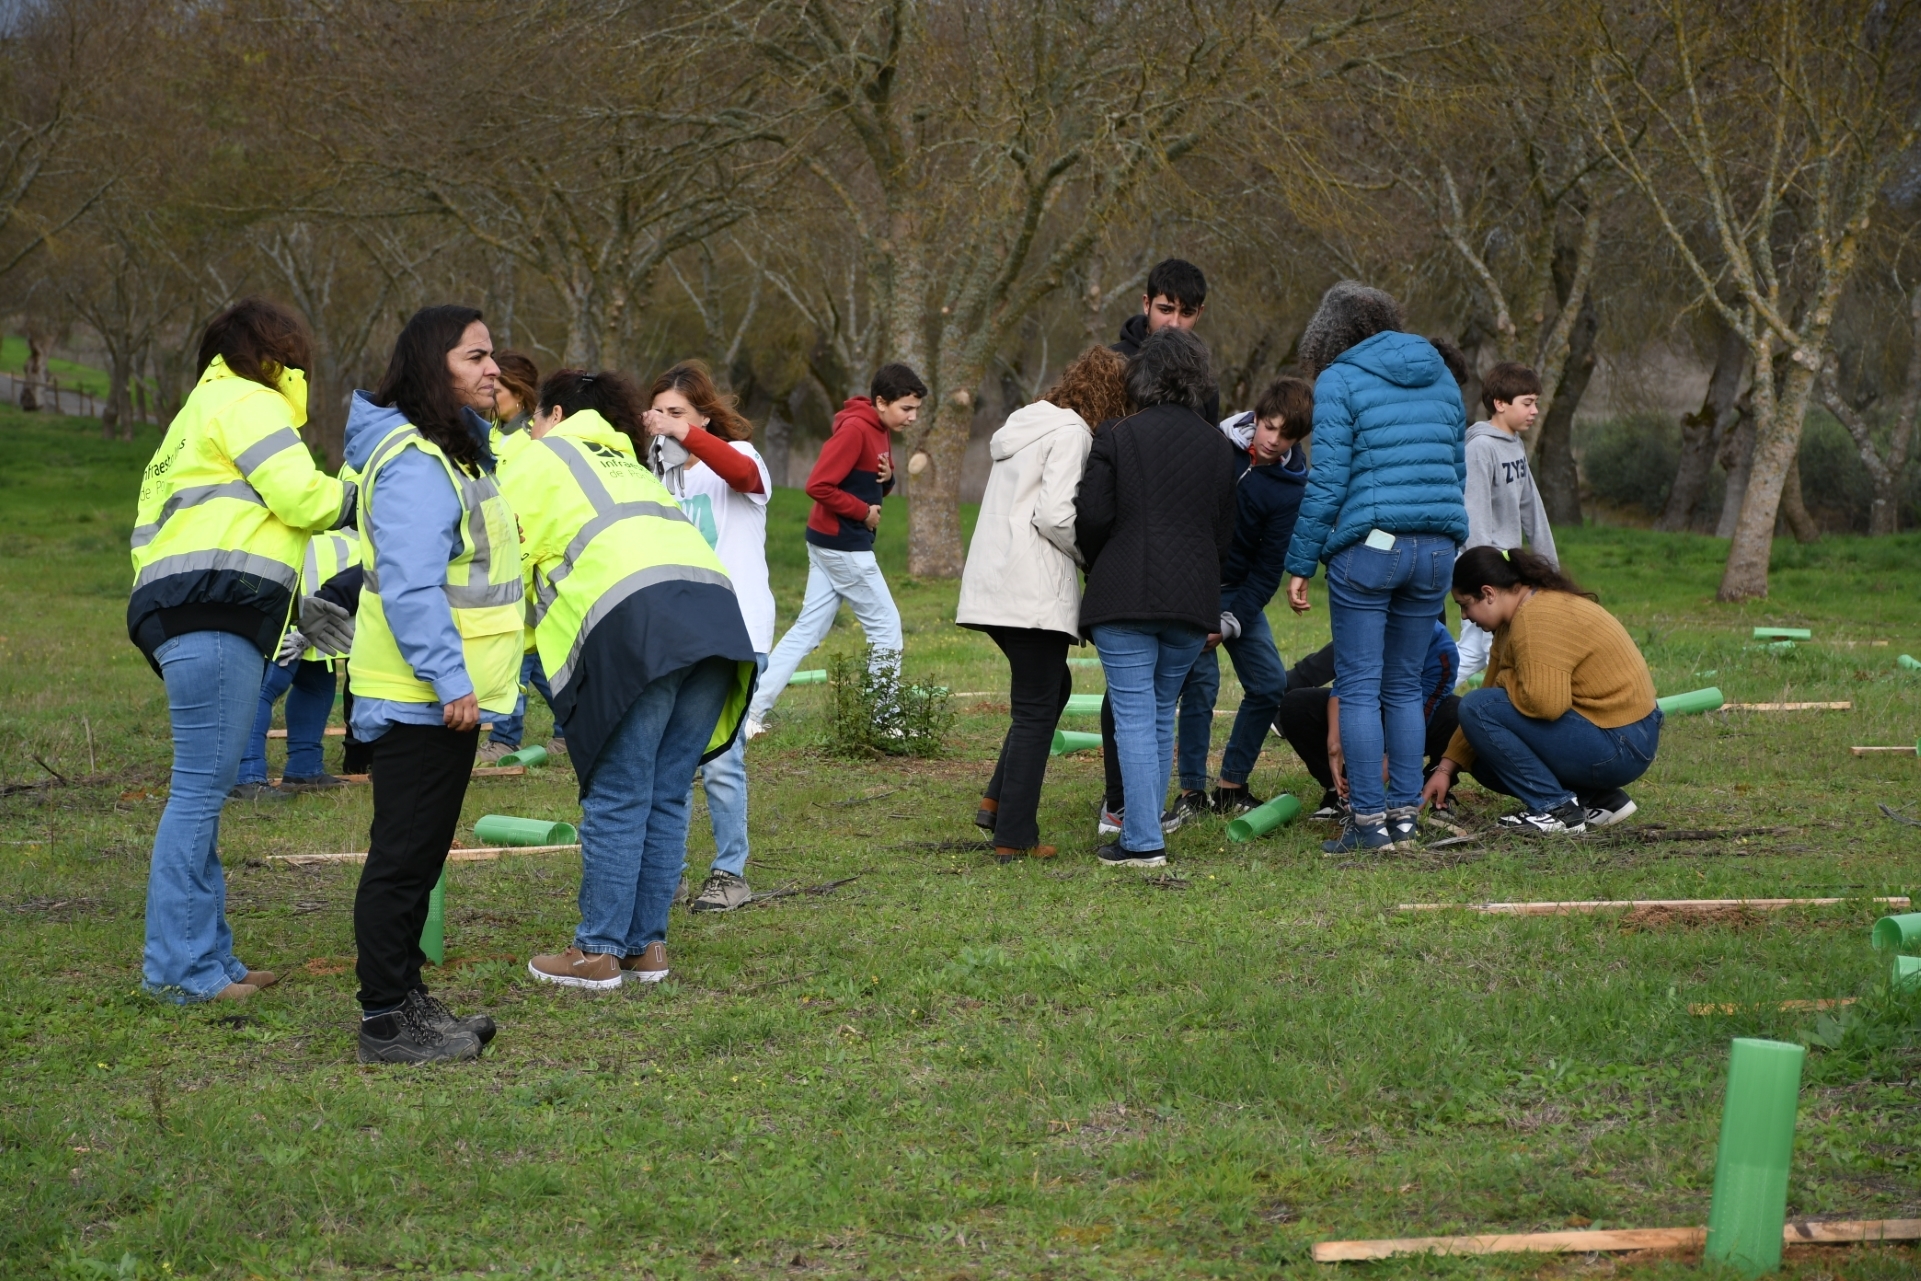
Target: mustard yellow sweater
(1562, 652)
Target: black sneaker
(1114, 856)
(1609, 808)
(1229, 801)
(987, 815)
(1187, 805)
(311, 782)
(435, 1011)
(1401, 826)
(257, 792)
(1333, 809)
(406, 1036)
(1563, 820)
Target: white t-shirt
(735, 526)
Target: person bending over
(1566, 718)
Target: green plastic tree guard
(531, 755)
(1083, 662)
(1908, 661)
(1066, 740)
(1259, 822)
(433, 935)
(1698, 700)
(1783, 633)
(1084, 704)
(815, 676)
(1757, 1142)
(504, 829)
(1897, 933)
(1906, 973)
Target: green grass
(948, 1068)
(72, 375)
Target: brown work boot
(987, 815)
(1008, 853)
(260, 978)
(235, 992)
(575, 968)
(649, 967)
(490, 753)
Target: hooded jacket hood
(1133, 334)
(368, 424)
(1028, 424)
(1484, 429)
(1406, 360)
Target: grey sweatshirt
(1502, 502)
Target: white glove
(292, 646)
(1230, 627)
(328, 627)
(668, 457)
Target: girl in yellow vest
(226, 508)
(436, 644)
(650, 662)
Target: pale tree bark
(1819, 83)
(1703, 431)
(1885, 471)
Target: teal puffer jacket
(1390, 450)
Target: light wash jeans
(213, 691)
(1146, 664)
(1263, 680)
(1382, 606)
(832, 577)
(309, 688)
(725, 781)
(508, 729)
(633, 825)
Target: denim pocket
(1365, 569)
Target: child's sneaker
(1187, 805)
(1114, 856)
(1229, 801)
(1110, 822)
(1361, 834)
(1609, 808)
(1563, 820)
(1401, 826)
(1333, 809)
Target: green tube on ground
(433, 935)
(1066, 740)
(504, 829)
(813, 676)
(1906, 973)
(1783, 633)
(1908, 661)
(1897, 933)
(1084, 704)
(1698, 700)
(1757, 1142)
(1083, 662)
(1259, 822)
(533, 754)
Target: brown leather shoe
(235, 992)
(575, 968)
(649, 967)
(1008, 853)
(260, 978)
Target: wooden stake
(1824, 1003)
(485, 854)
(1871, 751)
(1795, 1233)
(1667, 904)
(1787, 707)
(489, 771)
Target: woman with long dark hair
(438, 641)
(1384, 512)
(227, 506)
(1566, 717)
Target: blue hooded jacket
(1390, 450)
(1266, 502)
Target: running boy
(854, 472)
(1503, 504)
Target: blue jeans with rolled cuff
(724, 779)
(309, 688)
(1146, 664)
(1549, 763)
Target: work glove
(1230, 627)
(327, 627)
(292, 646)
(668, 457)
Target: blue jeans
(1549, 763)
(213, 690)
(309, 688)
(508, 729)
(1146, 664)
(1263, 680)
(1382, 606)
(725, 781)
(633, 825)
(832, 577)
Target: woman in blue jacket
(1384, 512)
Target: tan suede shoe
(575, 968)
(261, 978)
(235, 992)
(649, 967)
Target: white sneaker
(754, 729)
(1610, 809)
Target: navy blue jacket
(1266, 502)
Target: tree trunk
(116, 420)
(1794, 508)
(1704, 431)
(34, 376)
(1737, 461)
(934, 537)
(1556, 472)
(1777, 440)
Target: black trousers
(1303, 723)
(420, 779)
(1037, 695)
(358, 756)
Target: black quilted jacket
(1154, 519)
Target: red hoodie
(846, 480)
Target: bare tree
(1885, 469)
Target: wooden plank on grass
(1872, 751)
(484, 854)
(1640, 904)
(1795, 1233)
(1787, 707)
(340, 731)
(1823, 1003)
(490, 771)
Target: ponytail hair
(1480, 567)
(613, 396)
(691, 379)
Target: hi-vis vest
(483, 590)
(623, 534)
(327, 555)
(228, 501)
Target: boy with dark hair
(1503, 504)
(854, 473)
(1176, 296)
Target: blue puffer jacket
(1390, 450)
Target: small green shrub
(873, 712)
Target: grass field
(944, 1068)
